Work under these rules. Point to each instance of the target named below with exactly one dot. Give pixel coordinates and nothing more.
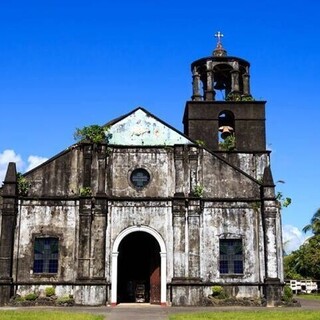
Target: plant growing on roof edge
(93, 133)
(234, 96)
(23, 184)
(200, 143)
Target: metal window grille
(140, 178)
(45, 255)
(231, 256)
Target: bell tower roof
(220, 72)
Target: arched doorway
(139, 269)
(138, 257)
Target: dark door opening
(139, 269)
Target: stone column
(102, 170)
(193, 167)
(246, 84)
(84, 246)
(235, 81)
(114, 278)
(179, 161)
(196, 95)
(194, 239)
(9, 216)
(272, 241)
(179, 241)
(163, 268)
(98, 238)
(209, 94)
(87, 158)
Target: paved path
(155, 312)
(138, 312)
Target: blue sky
(67, 64)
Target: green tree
(314, 225)
(305, 261)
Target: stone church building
(152, 209)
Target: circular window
(140, 178)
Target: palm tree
(314, 225)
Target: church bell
(225, 131)
(219, 85)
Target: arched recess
(226, 124)
(163, 261)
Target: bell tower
(222, 107)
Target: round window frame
(139, 169)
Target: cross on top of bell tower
(218, 35)
(219, 51)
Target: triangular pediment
(142, 128)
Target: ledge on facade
(186, 281)
(78, 282)
(6, 281)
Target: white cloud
(293, 238)
(34, 161)
(11, 156)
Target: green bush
(228, 144)
(23, 184)
(50, 291)
(93, 133)
(31, 296)
(287, 294)
(19, 299)
(68, 299)
(216, 290)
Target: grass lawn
(249, 315)
(40, 315)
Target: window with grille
(140, 178)
(45, 255)
(231, 256)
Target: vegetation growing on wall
(93, 133)
(233, 96)
(228, 144)
(198, 191)
(283, 201)
(85, 191)
(23, 185)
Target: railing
(302, 286)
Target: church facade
(153, 214)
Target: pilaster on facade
(8, 224)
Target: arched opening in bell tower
(226, 125)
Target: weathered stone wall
(157, 161)
(154, 214)
(190, 224)
(46, 219)
(232, 221)
(61, 176)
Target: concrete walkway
(138, 312)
